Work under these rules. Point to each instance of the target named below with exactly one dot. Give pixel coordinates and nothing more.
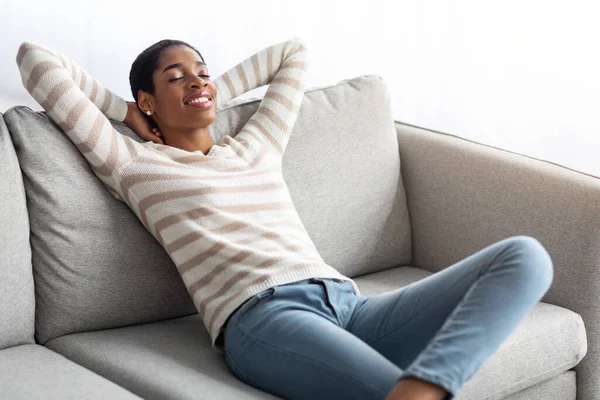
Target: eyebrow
(179, 65)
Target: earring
(149, 112)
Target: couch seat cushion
(549, 341)
(34, 372)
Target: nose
(197, 83)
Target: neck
(189, 140)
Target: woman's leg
(287, 342)
(442, 328)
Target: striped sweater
(226, 218)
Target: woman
(286, 322)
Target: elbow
(299, 44)
(24, 48)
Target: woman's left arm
(283, 67)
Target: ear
(145, 101)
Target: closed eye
(181, 77)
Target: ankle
(416, 389)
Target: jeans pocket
(254, 300)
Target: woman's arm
(283, 67)
(79, 104)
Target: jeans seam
(238, 370)
(416, 315)
(286, 352)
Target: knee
(537, 263)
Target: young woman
(286, 322)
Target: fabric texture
(226, 251)
(34, 372)
(562, 387)
(547, 341)
(17, 302)
(490, 193)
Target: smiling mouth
(202, 98)
(199, 100)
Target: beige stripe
(200, 159)
(112, 159)
(76, 112)
(296, 50)
(256, 69)
(83, 82)
(263, 151)
(173, 219)
(107, 102)
(94, 91)
(206, 211)
(132, 179)
(153, 199)
(56, 93)
(284, 101)
(88, 145)
(250, 208)
(236, 226)
(270, 63)
(286, 80)
(266, 233)
(29, 48)
(193, 236)
(207, 279)
(38, 72)
(230, 87)
(272, 115)
(266, 135)
(73, 70)
(296, 64)
(202, 257)
(258, 281)
(242, 75)
(169, 164)
(130, 145)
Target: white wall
(519, 75)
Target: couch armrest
(463, 196)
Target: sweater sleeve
(283, 67)
(80, 105)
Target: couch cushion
(97, 267)
(549, 341)
(162, 360)
(342, 167)
(17, 302)
(563, 387)
(34, 372)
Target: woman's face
(184, 96)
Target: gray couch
(91, 306)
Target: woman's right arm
(79, 104)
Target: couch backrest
(95, 265)
(17, 300)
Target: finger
(150, 137)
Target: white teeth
(198, 100)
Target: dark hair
(140, 75)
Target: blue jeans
(316, 339)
